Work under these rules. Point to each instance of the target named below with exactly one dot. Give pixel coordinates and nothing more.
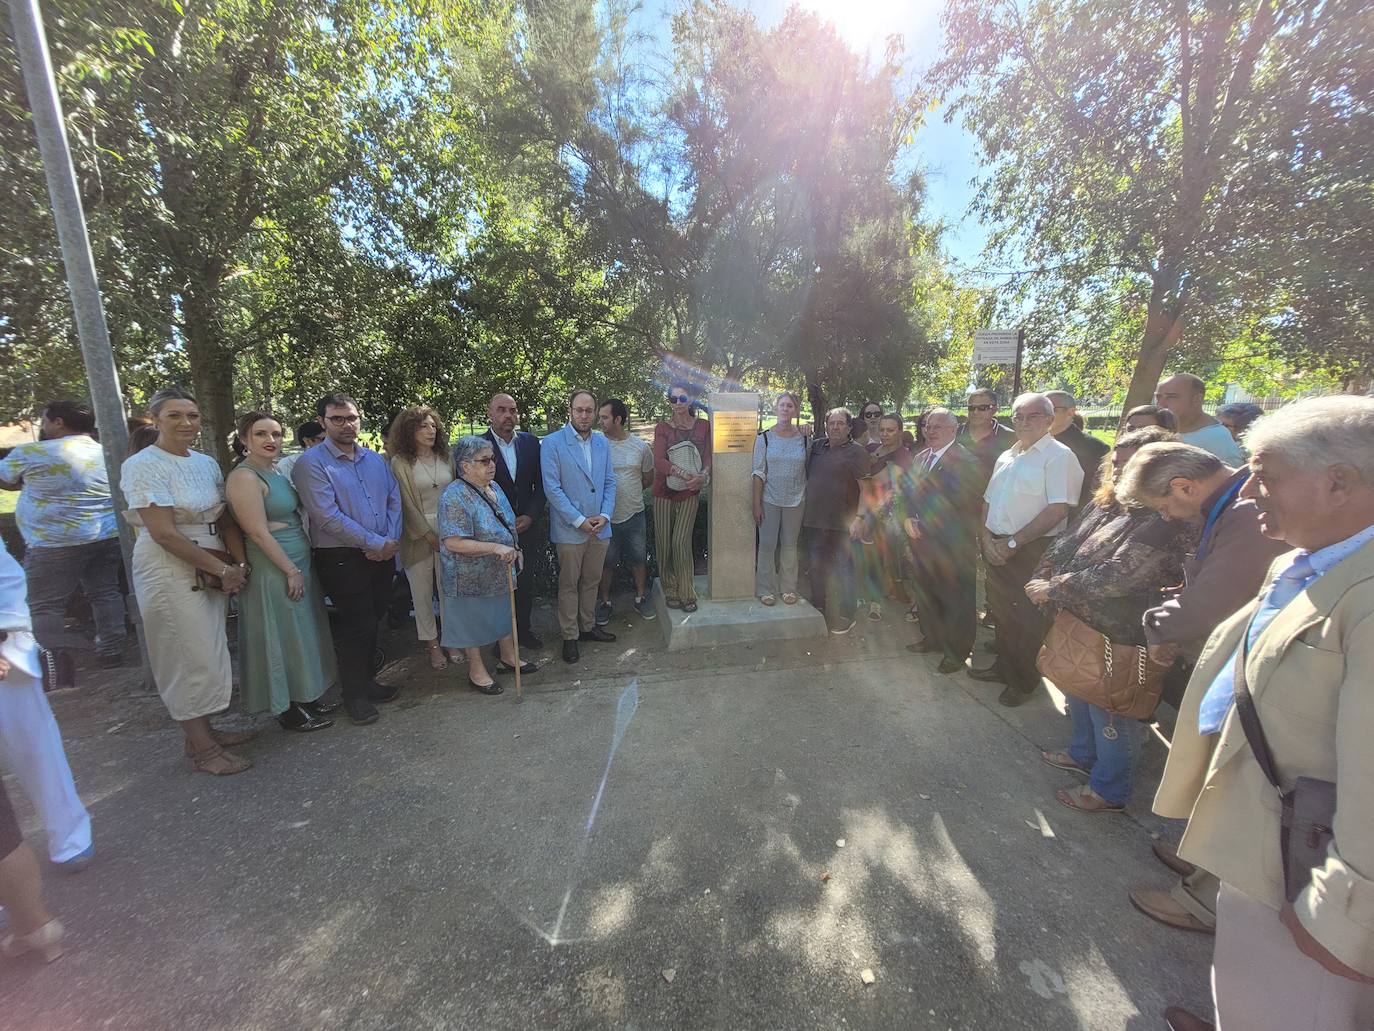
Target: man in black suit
(518, 474)
(1088, 450)
(942, 508)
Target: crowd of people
(1163, 562)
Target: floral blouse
(464, 513)
(1111, 567)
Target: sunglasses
(488, 460)
(872, 415)
(981, 408)
(679, 399)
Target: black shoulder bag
(1309, 809)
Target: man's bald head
(1182, 395)
(502, 414)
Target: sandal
(789, 598)
(768, 599)
(689, 606)
(1063, 761)
(217, 762)
(672, 603)
(1084, 799)
(437, 658)
(225, 739)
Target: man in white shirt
(633, 462)
(1034, 486)
(1183, 395)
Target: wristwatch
(1011, 543)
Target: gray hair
(1025, 400)
(1062, 396)
(1320, 432)
(940, 413)
(470, 447)
(166, 394)
(848, 415)
(1147, 476)
(990, 394)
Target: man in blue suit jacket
(521, 479)
(579, 484)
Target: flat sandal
(202, 759)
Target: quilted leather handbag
(1118, 678)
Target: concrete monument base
(739, 620)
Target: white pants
(1262, 982)
(31, 746)
(424, 577)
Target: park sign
(996, 346)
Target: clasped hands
(593, 524)
(383, 554)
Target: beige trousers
(579, 574)
(1261, 982)
(1197, 893)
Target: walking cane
(514, 633)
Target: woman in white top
(418, 449)
(184, 573)
(779, 491)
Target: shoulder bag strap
(1249, 716)
(500, 517)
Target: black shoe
(923, 648)
(525, 667)
(382, 693)
(988, 675)
(528, 639)
(1011, 698)
(492, 688)
(320, 707)
(570, 653)
(596, 633)
(297, 717)
(360, 711)
(949, 664)
(110, 660)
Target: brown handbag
(1121, 679)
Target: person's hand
(856, 528)
(432, 539)
(1314, 950)
(507, 555)
(4, 667)
(232, 580)
(594, 525)
(695, 481)
(994, 552)
(295, 585)
(1038, 591)
(1163, 654)
(913, 529)
(758, 513)
(523, 523)
(388, 551)
(372, 556)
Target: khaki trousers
(1261, 982)
(1197, 893)
(579, 574)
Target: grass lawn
(8, 499)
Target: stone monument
(728, 612)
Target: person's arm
(12, 469)
(661, 464)
(553, 487)
(311, 480)
(246, 494)
(537, 501)
(608, 485)
(160, 524)
(704, 446)
(393, 514)
(646, 466)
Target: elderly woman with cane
(479, 552)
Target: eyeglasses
(488, 460)
(679, 399)
(341, 420)
(981, 408)
(875, 413)
(1061, 408)
(1029, 417)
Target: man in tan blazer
(1308, 646)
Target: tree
(1173, 153)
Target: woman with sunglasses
(479, 547)
(865, 430)
(682, 466)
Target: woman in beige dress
(418, 449)
(184, 572)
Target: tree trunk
(1163, 327)
(815, 396)
(1356, 383)
(212, 369)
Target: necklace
(431, 469)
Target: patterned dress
(476, 599)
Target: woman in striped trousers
(682, 465)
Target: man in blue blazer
(580, 486)
(519, 475)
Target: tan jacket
(1312, 676)
(414, 525)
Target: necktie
(930, 459)
(1216, 703)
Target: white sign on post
(995, 346)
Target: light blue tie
(1216, 703)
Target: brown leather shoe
(1161, 906)
(1180, 1019)
(1168, 855)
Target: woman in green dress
(286, 658)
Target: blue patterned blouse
(463, 513)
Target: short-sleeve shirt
(832, 495)
(1026, 480)
(191, 485)
(631, 458)
(780, 462)
(65, 498)
(1216, 440)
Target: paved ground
(471, 863)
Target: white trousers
(1262, 982)
(31, 746)
(424, 577)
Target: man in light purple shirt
(355, 526)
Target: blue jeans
(1112, 761)
(629, 543)
(55, 573)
